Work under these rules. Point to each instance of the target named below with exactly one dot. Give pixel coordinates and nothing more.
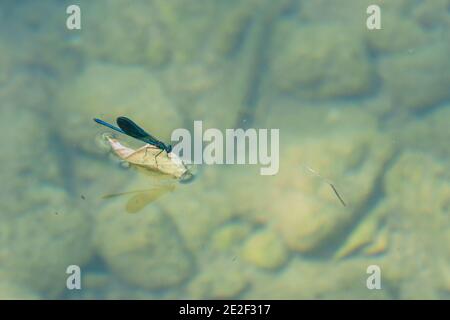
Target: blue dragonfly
(130, 128)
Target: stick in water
(328, 182)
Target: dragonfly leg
(156, 161)
(145, 148)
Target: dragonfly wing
(140, 200)
(133, 130)
(114, 195)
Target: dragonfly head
(169, 148)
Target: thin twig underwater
(331, 184)
(154, 158)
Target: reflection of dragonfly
(128, 127)
(141, 198)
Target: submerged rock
(199, 208)
(368, 235)
(306, 279)
(432, 15)
(144, 249)
(420, 80)
(320, 62)
(145, 45)
(399, 34)
(421, 186)
(417, 197)
(38, 259)
(229, 236)
(306, 210)
(427, 134)
(11, 291)
(265, 250)
(218, 278)
(42, 229)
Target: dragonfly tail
(106, 124)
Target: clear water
(365, 112)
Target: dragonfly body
(129, 128)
